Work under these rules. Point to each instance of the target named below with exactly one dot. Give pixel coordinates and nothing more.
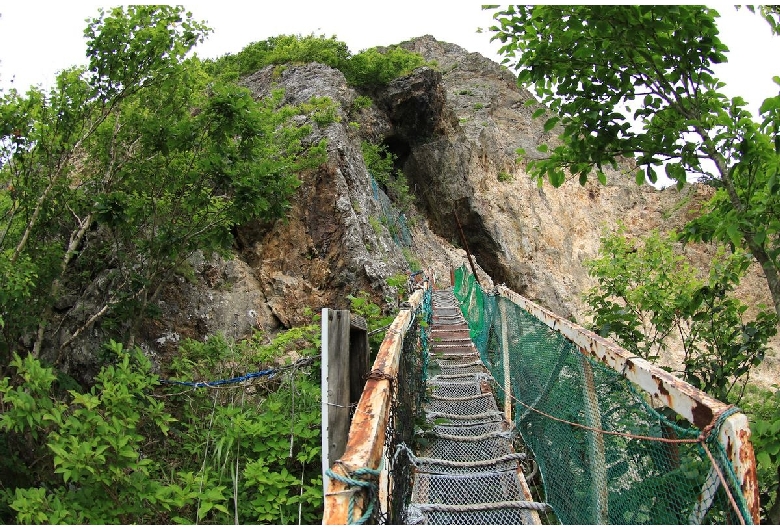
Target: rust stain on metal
(367, 432)
(660, 384)
(690, 402)
(702, 415)
(750, 479)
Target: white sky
(38, 39)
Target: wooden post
(507, 375)
(345, 363)
(335, 386)
(359, 356)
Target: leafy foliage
(282, 49)
(369, 68)
(121, 171)
(640, 287)
(648, 294)
(378, 319)
(381, 163)
(584, 64)
(375, 67)
(125, 452)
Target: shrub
(368, 68)
(503, 176)
(373, 67)
(279, 50)
(130, 452)
(381, 164)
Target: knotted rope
(369, 485)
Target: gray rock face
(326, 248)
(455, 131)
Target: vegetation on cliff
(368, 68)
(113, 178)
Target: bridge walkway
(467, 471)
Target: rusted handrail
(694, 405)
(367, 432)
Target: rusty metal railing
(691, 403)
(354, 478)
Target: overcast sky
(38, 39)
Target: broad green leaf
(204, 509)
(734, 234)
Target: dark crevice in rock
(400, 147)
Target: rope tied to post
(368, 484)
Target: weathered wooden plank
(337, 383)
(369, 424)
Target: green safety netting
(392, 217)
(588, 477)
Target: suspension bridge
(485, 408)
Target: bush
(368, 68)
(381, 165)
(282, 49)
(373, 67)
(130, 452)
(647, 293)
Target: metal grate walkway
(467, 471)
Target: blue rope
(252, 375)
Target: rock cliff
(455, 130)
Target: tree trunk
(773, 515)
(760, 255)
(770, 271)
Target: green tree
(121, 171)
(648, 294)
(658, 102)
(641, 286)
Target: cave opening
(400, 147)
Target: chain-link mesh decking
(466, 470)
(606, 454)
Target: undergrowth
(131, 451)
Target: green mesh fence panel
(392, 218)
(585, 476)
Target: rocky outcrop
(324, 250)
(455, 130)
